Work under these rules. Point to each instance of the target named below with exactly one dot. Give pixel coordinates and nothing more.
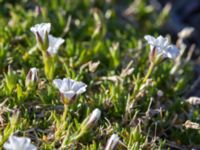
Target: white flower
(94, 117)
(54, 44)
(18, 143)
(41, 29)
(32, 76)
(162, 47)
(69, 89)
(112, 142)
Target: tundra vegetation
(94, 75)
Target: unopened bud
(185, 32)
(32, 77)
(93, 118)
(89, 122)
(112, 143)
(39, 41)
(194, 100)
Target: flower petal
(54, 44)
(150, 39)
(161, 42)
(7, 146)
(21, 143)
(57, 83)
(41, 29)
(31, 147)
(69, 94)
(79, 87)
(172, 51)
(66, 84)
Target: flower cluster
(46, 41)
(48, 45)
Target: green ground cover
(107, 52)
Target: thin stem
(62, 123)
(65, 112)
(150, 70)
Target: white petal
(95, 115)
(172, 51)
(34, 72)
(8, 146)
(150, 39)
(70, 87)
(13, 140)
(112, 142)
(81, 90)
(21, 143)
(41, 29)
(66, 84)
(69, 94)
(79, 87)
(162, 42)
(24, 142)
(54, 44)
(57, 83)
(31, 147)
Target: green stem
(65, 112)
(49, 65)
(62, 123)
(150, 70)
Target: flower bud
(32, 77)
(93, 118)
(193, 100)
(89, 123)
(186, 32)
(39, 41)
(112, 142)
(41, 32)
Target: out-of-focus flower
(54, 44)
(69, 89)
(93, 66)
(32, 77)
(160, 47)
(193, 100)
(185, 32)
(160, 93)
(191, 125)
(93, 118)
(18, 143)
(112, 142)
